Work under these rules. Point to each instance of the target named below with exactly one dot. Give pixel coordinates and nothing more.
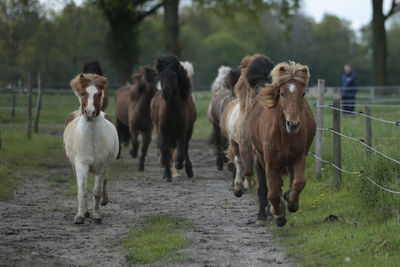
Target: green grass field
(368, 229)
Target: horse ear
(102, 81)
(83, 81)
(282, 68)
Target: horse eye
(303, 94)
(82, 94)
(282, 94)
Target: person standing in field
(348, 89)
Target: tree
(379, 43)
(124, 18)
(171, 27)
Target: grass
(368, 230)
(159, 239)
(18, 154)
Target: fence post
(13, 102)
(20, 86)
(320, 124)
(29, 83)
(367, 130)
(38, 103)
(337, 149)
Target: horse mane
(93, 67)
(188, 66)
(255, 72)
(84, 80)
(219, 82)
(282, 73)
(144, 78)
(232, 78)
(169, 65)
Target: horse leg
(262, 194)
(134, 140)
(218, 146)
(277, 207)
(188, 163)
(97, 194)
(105, 199)
(291, 177)
(299, 182)
(146, 138)
(232, 168)
(248, 164)
(166, 154)
(181, 154)
(82, 172)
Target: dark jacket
(349, 84)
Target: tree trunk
(379, 44)
(171, 27)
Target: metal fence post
(320, 124)
(38, 104)
(337, 149)
(29, 105)
(367, 130)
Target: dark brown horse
(173, 113)
(281, 127)
(132, 112)
(222, 90)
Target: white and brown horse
(255, 74)
(90, 143)
(281, 127)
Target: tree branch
(144, 14)
(395, 8)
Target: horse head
(288, 87)
(173, 77)
(91, 95)
(145, 81)
(232, 78)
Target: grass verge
(159, 239)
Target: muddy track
(36, 227)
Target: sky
(358, 12)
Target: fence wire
(359, 173)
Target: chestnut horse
(94, 67)
(132, 112)
(255, 73)
(222, 89)
(281, 127)
(173, 113)
(90, 143)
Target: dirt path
(36, 226)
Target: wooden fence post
(38, 104)
(320, 124)
(337, 149)
(367, 130)
(29, 83)
(13, 102)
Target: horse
(222, 93)
(173, 113)
(90, 143)
(281, 128)
(94, 67)
(132, 111)
(255, 73)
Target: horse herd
(259, 115)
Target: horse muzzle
(292, 127)
(90, 115)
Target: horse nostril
(298, 124)
(289, 124)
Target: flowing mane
(89, 78)
(282, 73)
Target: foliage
(160, 238)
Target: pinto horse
(234, 119)
(173, 113)
(132, 112)
(90, 143)
(222, 89)
(281, 127)
(94, 67)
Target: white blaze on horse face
(292, 88)
(90, 111)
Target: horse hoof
(178, 165)
(141, 168)
(87, 214)
(220, 164)
(97, 220)
(79, 220)
(168, 179)
(293, 207)
(189, 173)
(286, 195)
(281, 221)
(104, 202)
(133, 153)
(238, 193)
